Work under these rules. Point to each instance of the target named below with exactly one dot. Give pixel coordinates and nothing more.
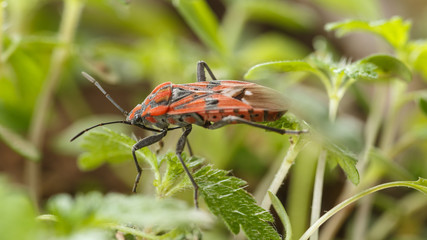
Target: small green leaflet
(345, 159)
(422, 103)
(280, 66)
(394, 30)
(385, 68)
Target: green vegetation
(366, 119)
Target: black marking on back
(211, 101)
(179, 93)
(194, 98)
(213, 84)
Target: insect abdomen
(253, 115)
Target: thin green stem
(320, 171)
(351, 200)
(69, 21)
(395, 90)
(281, 212)
(287, 162)
(390, 121)
(318, 191)
(371, 132)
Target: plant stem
(287, 162)
(333, 108)
(371, 131)
(320, 172)
(317, 191)
(67, 29)
(386, 142)
(352, 199)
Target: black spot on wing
(211, 103)
(213, 84)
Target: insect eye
(138, 118)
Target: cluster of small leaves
(395, 31)
(287, 121)
(223, 194)
(144, 216)
(338, 76)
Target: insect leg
(190, 151)
(144, 143)
(201, 66)
(179, 148)
(234, 119)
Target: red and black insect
(209, 104)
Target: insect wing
(224, 95)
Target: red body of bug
(209, 104)
(205, 103)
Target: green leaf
(418, 53)
(203, 22)
(223, 194)
(346, 159)
(282, 215)
(225, 197)
(93, 210)
(280, 66)
(18, 213)
(395, 30)
(282, 14)
(19, 144)
(174, 178)
(422, 103)
(288, 121)
(385, 68)
(110, 147)
(420, 185)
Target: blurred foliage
(136, 45)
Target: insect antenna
(98, 125)
(96, 83)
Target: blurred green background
(132, 47)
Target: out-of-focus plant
(148, 42)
